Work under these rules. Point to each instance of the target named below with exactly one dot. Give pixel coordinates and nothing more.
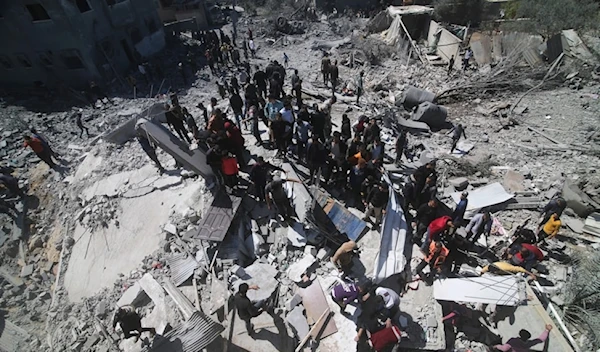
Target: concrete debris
(298, 322)
(431, 114)
(297, 270)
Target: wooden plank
(315, 303)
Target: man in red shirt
(38, 148)
(435, 229)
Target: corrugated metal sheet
(215, 223)
(182, 266)
(343, 220)
(192, 336)
(12, 338)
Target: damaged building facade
(55, 43)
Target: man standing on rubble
(466, 58)
(245, 308)
(426, 213)
(459, 131)
(175, 120)
(325, 67)
(359, 86)
(450, 65)
(436, 230)
(39, 149)
(342, 258)
(130, 321)
(142, 138)
(523, 342)
(550, 229)
(480, 224)
(79, 122)
(400, 145)
(459, 212)
(334, 75)
(259, 174)
(376, 203)
(275, 193)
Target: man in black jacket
(246, 310)
(426, 213)
(376, 202)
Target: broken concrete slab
(463, 147)
(592, 225)
(414, 125)
(132, 296)
(262, 275)
(431, 114)
(577, 200)
(297, 192)
(484, 196)
(574, 224)
(91, 342)
(293, 302)
(11, 279)
(299, 268)
(504, 291)
(414, 96)
(296, 235)
(298, 322)
(459, 183)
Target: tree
(550, 17)
(462, 12)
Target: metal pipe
(559, 320)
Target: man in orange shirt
(38, 148)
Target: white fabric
(390, 298)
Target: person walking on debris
(252, 47)
(400, 145)
(523, 342)
(130, 322)
(44, 140)
(458, 132)
(342, 258)
(286, 60)
(480, 224)
(297, 91)
(550, 229)
(254, 121)
(275, 193)
(428, 192)
(245, 308)
(466, 58)
(259, 175)
(334, 75)
(303, 128)
(435, 257)
(325, 67)
(39, 149)
(144, 142)
(316, 157)
(260, 79)
(555, 206)
(450, 65)
(278, 129)
(237, 105)
(359, 86)
(376, 203)
(346, 128)
(459, 212)
(175, 120)
(204, 113)
(79, 122)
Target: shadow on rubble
(460, 318)
(162, 344)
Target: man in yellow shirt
(504, 268)
(550, 228)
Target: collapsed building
(70, 43)
(178, 250)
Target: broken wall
(444, 43)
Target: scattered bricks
(91, 341)
(323, 253)
(293, 302)
(312, 250)
(27, 270)
(170, 228)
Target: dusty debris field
(107, 219)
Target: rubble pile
(67, 245)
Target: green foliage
(582, 297)
(511, 9)
(462, 12)
(550, 17)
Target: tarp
(484, 196)
(499, 290)
(391, 257)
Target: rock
(312, 250)
(69, 242)
(322, 253)
(91, 341)
(459, 183)
(580, 202)
(293, 302)
(27, 270)
(35, 243)
(170, 228)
